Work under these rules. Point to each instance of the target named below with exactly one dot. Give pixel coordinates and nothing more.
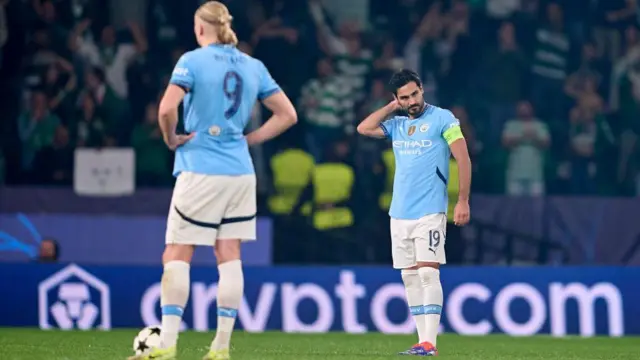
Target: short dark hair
(402, 78)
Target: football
(146, 339)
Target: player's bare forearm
(168, 121)
(275, 126)
(461, 154)
(168, 113)
(370, 126)
(284, 116)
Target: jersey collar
(424, 111)
(221, 46)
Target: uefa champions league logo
(74, 299)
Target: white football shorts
(420, 240)
(205, 208)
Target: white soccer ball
(146, 339)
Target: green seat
(292, 170)
(333, 183)
(390, 165)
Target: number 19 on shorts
(434, 238)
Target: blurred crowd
(547, 92)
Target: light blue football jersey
(223, 85)
(422, 162)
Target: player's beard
(415, 109)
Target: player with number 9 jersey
(224, 85)
(214, 198)
(214, 168)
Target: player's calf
(174, 291)
(415, 299)
(424, 297)
(432, 300)
(230, 290)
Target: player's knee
(429, 276)
(175, 252)
(410, 278)
(427, 264)
(227, 250)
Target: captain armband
(452, 134)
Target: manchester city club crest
(214, 130)
(412, 129)
(424, 127)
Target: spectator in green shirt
(91, 129)
(36, 128)
(526, 138)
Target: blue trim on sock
(227, 312)
(416, 310)
(172, 310)
(432, 309)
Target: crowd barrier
(585, 226)
(101, 239)
(561, 301)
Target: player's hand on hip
(461, 213)
(175, 141)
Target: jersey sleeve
(183, 74)
(389, 127)
(450, 128)
(268, 86)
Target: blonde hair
(216, 13)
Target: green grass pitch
(33, 344)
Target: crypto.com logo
(72, 306)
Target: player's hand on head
(175, 141)
(394, 104)
(461, 213)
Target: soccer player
(214, 199)
(422, 143)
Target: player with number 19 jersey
(223, 84)
(421, 149)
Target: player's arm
(273, 98)
(458, 145)
(284, 116)
(372, 125)
(180, 83)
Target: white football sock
(432, 302)
(230, 289)
(173, 298)
(413, 287)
